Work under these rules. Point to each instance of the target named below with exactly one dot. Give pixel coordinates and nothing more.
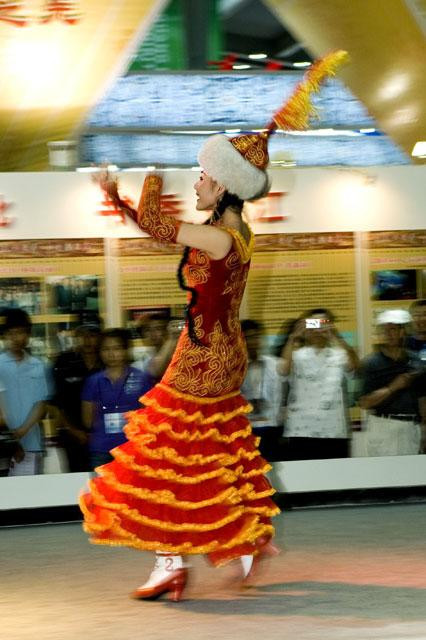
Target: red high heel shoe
(266, 549)
(173, 584)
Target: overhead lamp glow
(34, 67)
(419, 149)
(257, 56)
(324, 133)
(300, 65)
(241, 66)
(394, 87)
(88, 169)
(190, 132)
(283, 163)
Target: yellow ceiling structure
(387, 47)
(57, 65)
(52, 72)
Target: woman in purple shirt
(109, 394)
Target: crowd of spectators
(301, 392)
(302, 395)
(85, 392)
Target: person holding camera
(162, 335)
(316, 424)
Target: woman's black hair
(228, 200)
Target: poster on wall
(396, 266)
(147, 273)
(292, 273)
(289, 274)
(59, 283)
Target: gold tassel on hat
(239, 163)
(295, 113)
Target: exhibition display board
(355, 255)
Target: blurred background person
(391, 390)
(155, 333)
(26, 391)
(262, 387)
(416, 341)
(10, 449)
(109, 394)
(317, 422)
(79, 292)
(285, 334)
(63, 292)
(70, 371)
(158, 363)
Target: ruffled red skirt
(190, 480)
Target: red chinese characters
(63, 10)
(9, 13)
(5, 221)
(268, 209)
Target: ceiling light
(301, 64)
(393, 88)
(324, 132)
(241, 66)
(257, 56)
(88, 169)
(190, 132)
(419, 149)
(283, 163)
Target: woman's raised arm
(216, 242)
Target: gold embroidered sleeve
(149, 216)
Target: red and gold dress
(190, 479)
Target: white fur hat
(232, 163)
(239, 163)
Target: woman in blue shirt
(109, 394)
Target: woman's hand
(107, 183)
(299, 329)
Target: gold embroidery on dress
(233, 282)
(198, 268)
(219, 365)
(207, 371)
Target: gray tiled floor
(352, 574)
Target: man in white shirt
(316, 424)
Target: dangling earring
(214, 217)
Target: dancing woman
(190, 479)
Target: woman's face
(208, 192)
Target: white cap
(393, 316)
